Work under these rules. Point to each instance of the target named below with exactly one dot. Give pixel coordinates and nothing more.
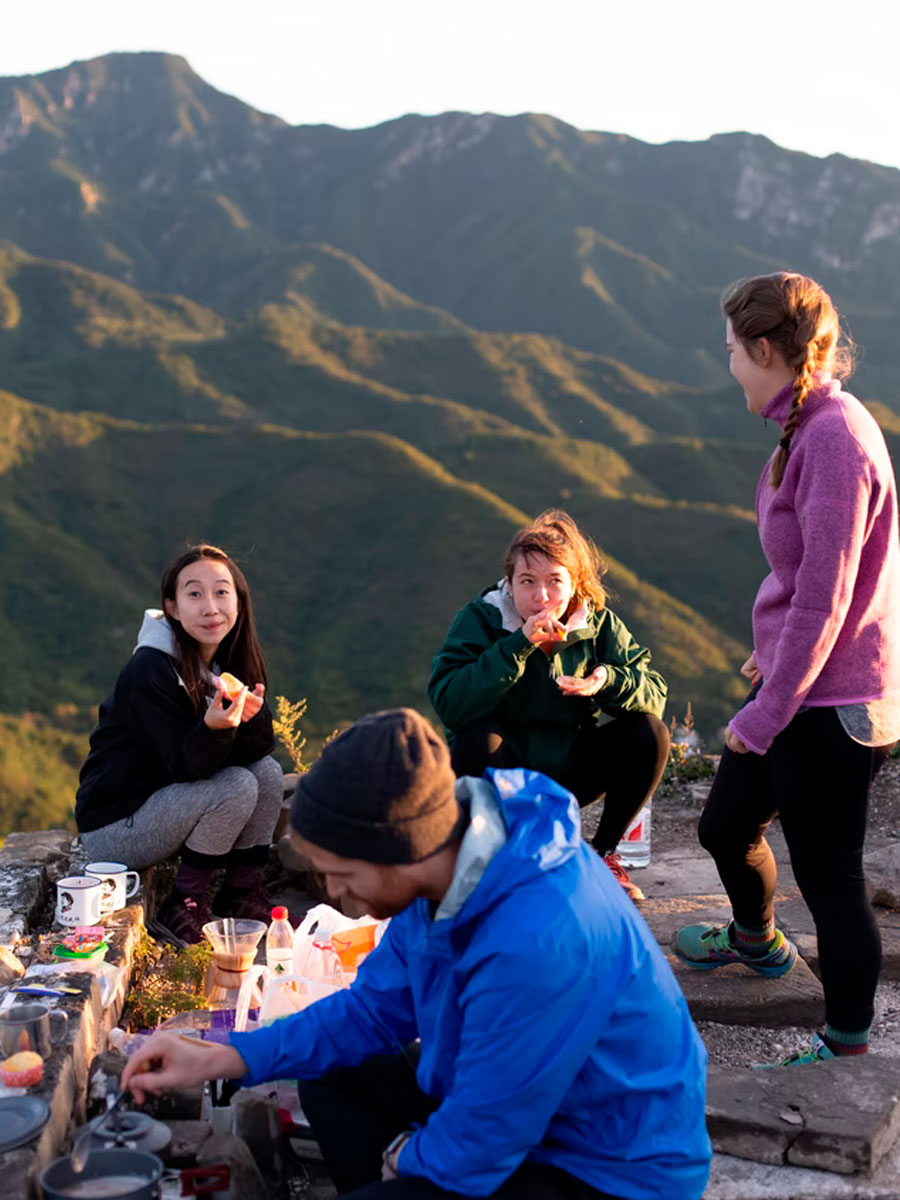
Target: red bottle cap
(279, 913)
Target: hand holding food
(220, 717)
(542, 627)
(571, 685)
(253, 702)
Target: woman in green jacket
(529, 669)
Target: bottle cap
(279, 913)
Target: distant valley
(358, 359)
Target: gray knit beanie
(382, 792)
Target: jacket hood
(500, 597)
(483, 838)
(523, 824)
(156, 632)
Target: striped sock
(754, 939)
(839, 1041)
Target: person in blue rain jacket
(557, 1055)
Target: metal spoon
(82, 1148)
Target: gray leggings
(233, 809)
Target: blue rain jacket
(552, 1027)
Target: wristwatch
(389, 1158)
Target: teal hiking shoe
(817, 1052)
(705, 947)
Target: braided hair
(797, 316)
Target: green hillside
(133, 166)
(39, 761)
(359, 359)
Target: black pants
(356, 1112)
(622, 761)
(817, 779)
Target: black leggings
(356, 1112)
(622, 760)
(817, 779)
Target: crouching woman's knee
(236, 794)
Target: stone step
(842, 1115)
(733, 995)
(796, 920)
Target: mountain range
(360, 358)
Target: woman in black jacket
(177, 764)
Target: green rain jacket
(488, 668)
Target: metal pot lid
(21, 1119)
(133, 1125)
(135, 1128)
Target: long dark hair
(239, 652)
(555, 535)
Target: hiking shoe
(614, 863)
(706, 947)
(817, 1052)
(251, 904)
(181, 918)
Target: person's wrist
(391, 1155)
(232, 1065)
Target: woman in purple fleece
(824, 708)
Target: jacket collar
(778, 408)
(500, 597)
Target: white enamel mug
(78, 899)
(114, 877)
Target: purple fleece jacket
(826, 622)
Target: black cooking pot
(60, 1182)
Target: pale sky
(815, 77)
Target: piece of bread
(22, 1069)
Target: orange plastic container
(353, 945)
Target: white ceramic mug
(78, 899)
(114, 878)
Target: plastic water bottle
(634, 848)
(280, 944)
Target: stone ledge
(45, 846)
(796, 920)
(23, 889)
(842, 1115)
(66, 1072)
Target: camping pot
(117, 1174)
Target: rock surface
(10, 967)
(842, 1115)
(732, 995)
(882, 861)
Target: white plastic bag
(317, 954)
(282, 995)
